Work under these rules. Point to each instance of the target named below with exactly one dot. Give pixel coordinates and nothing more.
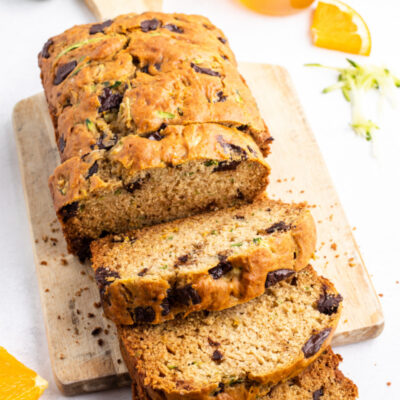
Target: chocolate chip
(252, 151)
(144, 314)
(155, 136)
(328, 303)
(274, 277)
(150, 25)
(104, 277)
(99, 27)
(61, 143)
(230, 147)
(104, 143)
(242, 128)
(221, 39)
(239, 217)
(293, 282)
(45, 51)
(145, 69)
(173, 28)
(92, 170)
(96, 331)
(104, 233)
(182, 260)
(221, 97)
(143, 272)
(63, 71)
(157, 66)
(217, 356)
(206, 71)
(136, 185)
(222, 268)
(226, 166)
(318, 393)
(221, 388)
(315, 342)
(135, 60)
(69, 211)
(109, 100)
(183, 296)
(165, 307)
(239, 195)
(278, 227)
(213, 343)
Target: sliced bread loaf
(211, 261)
(244, 350)
(145, 181)
(322, 380)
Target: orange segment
(18, 382)
(337, 26)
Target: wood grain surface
(83, 344)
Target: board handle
(106, 9)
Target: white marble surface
(369, 189)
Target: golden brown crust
(147, 374)
(322, 376)
(171, 69)
(123, 296)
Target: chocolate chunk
(315, 342)
(206, 71)
(104, 277)
(239, 217)
(136, 185)
(61, 143)
(144, 314)
(104, 233)
(226, 166)
(92, 170)
(109, 100)
(143, 272)
(155, 136)
(165, 307)
(63, 71)
(96, 331)
(69, 211)
(221, 97)
(221, 39)
(274, 277)
(135, 60)
(45, 51)
(213, 343)
(221, 388)
(97, 28)
(252, 151)
(222, 268)
(183, 296)
(216, 356)
(278, 227)
(242, 128)
(229, 148)
(150, 25)
(182, 260)
(328, 303)
(318, 393)
(157, 66)
(145, 69)
(293, 282)
(173, 28)
(239, 195)
(103, 143)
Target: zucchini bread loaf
(211, 261)
(322, 380)
(240, 352)
(152, 121)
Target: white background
(368, 188)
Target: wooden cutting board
(82, 344)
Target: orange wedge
(337, 26)
(18, 382)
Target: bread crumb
(64, 261)
(354, 228)
(47, 290)
(380, 294)
(43, 262)
(334, 246)
(83, 273)
(97, 304)
(61, 356)
(91, 315)
(301, 191)
(388, 383)
(45, 238)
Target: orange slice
(18, 382)
(337, 26)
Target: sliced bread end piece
(208, 262)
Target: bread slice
(247, 348)
(209, 262)
(143, 181)
(322, 380)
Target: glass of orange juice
(277, 7)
